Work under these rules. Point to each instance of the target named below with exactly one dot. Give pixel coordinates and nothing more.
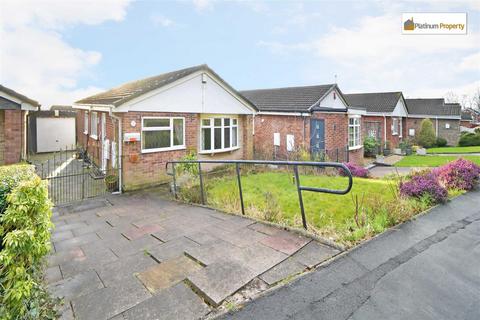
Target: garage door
(54, 134)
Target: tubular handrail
(295, 165)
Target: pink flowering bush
(459, 174)
(424, 184)
(356, 170)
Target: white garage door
(54, 134)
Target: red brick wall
(394, 139)
(14, 121)
(336, 133)
(356, 156)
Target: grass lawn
(431, 161)
(328, 212)
(475, 149)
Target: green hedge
(469, 139)
(25, 227)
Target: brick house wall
(393, 139)
(452, 134)
(12, 123)
(336, 134)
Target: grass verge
(432, 161)
(475, 149)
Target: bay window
(219, 134)
(94, 125)
(354, 132)
(162, 134)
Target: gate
(72, 176)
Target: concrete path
(137, 256)
(424, 269)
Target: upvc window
(85, 123)
(395, 125)
(219, 134)
(94, 125)
(162, 134)
(354, 132)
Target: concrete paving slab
(74, 254)
(52, 274)
(168, 273)
(62, 235)
(176, 303)
(126, 248)
(215, 252)
(75, 242)
(286, 242)
(108, 302)
(136, 233)
(243, 237)
(70, 226)
(219, 280)
(258, 258)
(314, 253)
(281, 271)
(171, 249)
(265, 229)
(76, 286)
(202, 238)
(124, 268)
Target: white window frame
(212, 134)
(169, 128)
(85, 122)
(356, 143)
(94, 125)
(397, 127)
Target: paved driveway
(428, 268)
(140, 257)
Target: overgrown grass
(475, 149)
(432, 161)
(372, 206)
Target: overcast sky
(60, 51)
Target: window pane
(234, 137)
(218, 122)
(234, 121)
(226, 121)
(178, 132)
(206, 139)
(206, 122)
(156, 139)
(217, 138)
(227, 137)
(156, 123)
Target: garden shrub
(469, 139)
(25, 231)
(188, 168)
(424, 185)
(10, 176)
(370, 146)
(441, 142)
(459, 174)
(426, 136)
(356, 170)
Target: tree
(426, 136)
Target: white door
(54, 134)
(105, 145)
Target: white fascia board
(362, 112)
(379, 114)
(297, 114)
(28, 107)
(93, 107)
(435, 117)
(126, 106)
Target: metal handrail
(295, 165)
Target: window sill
(163, 149)
(212, 152)
(93, 136)
(355, 148)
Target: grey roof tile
(19, 96)
(381, 102)
(290, 99)
(433, 107)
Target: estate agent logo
(434, 23)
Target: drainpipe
(120, 143)
(385, 131)
(436, 126)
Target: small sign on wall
(411, 132)
(290, 142)
(276, 139)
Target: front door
(317, 136)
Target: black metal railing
(294, 164)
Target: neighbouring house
(139, 126)
(312, 119)
(52, 130)
(14, 109)
(445, 117)
(385, 117)
(470, 118)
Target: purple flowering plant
(459, 174)
(356, 170)
(424, 184)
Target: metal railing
(294, 164)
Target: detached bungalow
(313, 118)
(385, 118)
(140, 125)
(14, 108)
(445, 117)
